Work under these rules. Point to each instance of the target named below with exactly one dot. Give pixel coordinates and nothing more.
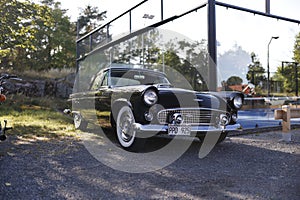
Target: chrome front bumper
(194, 129)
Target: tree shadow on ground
(64, 169)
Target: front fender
(121, 101)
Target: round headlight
(237, 102)
(150, 97)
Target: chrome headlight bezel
(150, 97)
(237, 102)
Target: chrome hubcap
(126, 126)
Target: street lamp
(268, 56)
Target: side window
(105, 79)
(100, 80)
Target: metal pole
(268, 57)
(130, 25)
(268, 6)
(296, 77)
(268, 68)
(77, 46)
(107, 33)
(162, 10)
(77, 29)
(143, 51)
(91, 42)
(212, 46)
(163, 61)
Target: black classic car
(139, 103)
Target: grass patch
(20, 102)
(37, 117)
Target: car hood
(177, 97)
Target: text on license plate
(179, 129)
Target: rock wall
(39, 88)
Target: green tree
(287, 72)
(297, 49)
(188, 58)
(297, 57)
(55, 37)
(234, 80)
(35, 36)
(89, 19)
(255, 73)
(16, 33)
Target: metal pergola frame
(211, 24)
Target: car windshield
(136, 77)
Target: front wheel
(126, 134)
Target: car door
(101, 93)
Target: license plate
(179, 129)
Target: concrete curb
(261, 130)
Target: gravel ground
(255, 166)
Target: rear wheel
(79, 122)
(126, 134)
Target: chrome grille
(190, 116)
